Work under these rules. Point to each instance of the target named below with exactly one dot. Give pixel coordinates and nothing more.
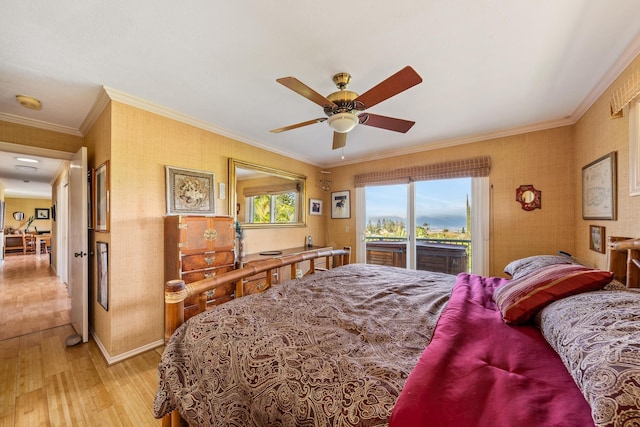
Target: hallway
(45, 383)
(31, 296)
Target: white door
(78, 244)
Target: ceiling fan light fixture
(343, 122)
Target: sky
(433, 198)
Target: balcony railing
(444, 255)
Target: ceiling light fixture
(29, 102)
(27, 168)
(343, 122)
(27, 160)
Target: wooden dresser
(198, 247)
(258, 283)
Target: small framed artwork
(101, 195)
(599, 188)
(341, 204)
(42, 213)
(315, 207)
(596, 238)
(102, 252)
(190, 191)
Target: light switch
(222, 194)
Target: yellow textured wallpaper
(25, 135)
(596, 135)
(543, 159)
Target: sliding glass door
(425, 225)
(386, 225)
(442, 222)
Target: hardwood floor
(32, 298)
(45, 383)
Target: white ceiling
(34, 183)
(489, 67)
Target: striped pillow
(520, 299)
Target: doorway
(36, 268)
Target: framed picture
(341, 204)
(42, 213)
(597, 238)
(101, 195)
(190, 191)
(315, 207)
(599, 189)
(102, 252)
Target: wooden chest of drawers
(198, 247)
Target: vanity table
(258, 283)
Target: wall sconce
(325, 183)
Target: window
(273, 208)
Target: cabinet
(196, 248)
(258, 283)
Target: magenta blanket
(478, 371)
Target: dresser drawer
(217, 296)
(192, 276)
(255, 285)
(206, 260)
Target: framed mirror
(18, 216)
(529, 197)
(261, 196)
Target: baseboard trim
(127, 355)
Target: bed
(362, 345)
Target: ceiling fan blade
(399, 82)
(302, 89)
(339, 140)
(384, 122)
(299, 125)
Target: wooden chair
(29, 243)
(14, 243)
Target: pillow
(520, 299)
(522, 267)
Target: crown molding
(457, 141)
(39, 124)
(629, 54)
(100, 103)
(125, 98)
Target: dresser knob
(209, 260)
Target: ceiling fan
(346, 109)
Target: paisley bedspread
(597, 335)
(332, 349)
